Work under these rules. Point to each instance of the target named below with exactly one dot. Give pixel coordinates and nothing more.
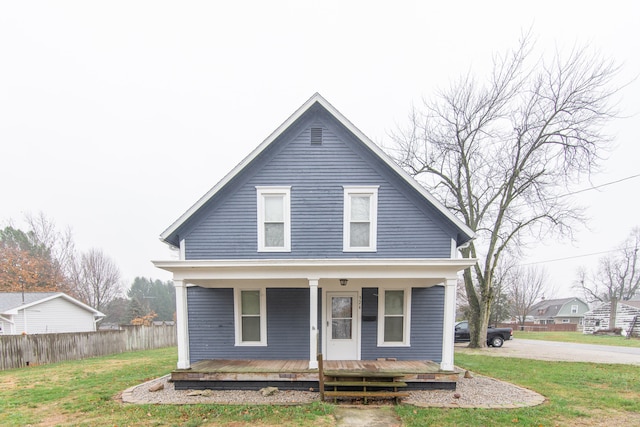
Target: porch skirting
(295, 374)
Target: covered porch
(361, 282)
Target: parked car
(495, 336)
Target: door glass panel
(341, 314)
(341, 329)
(341, 307)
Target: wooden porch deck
(295, 374)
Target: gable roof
(550, 307)
(11, 302)
(631, 303)
(465, 234)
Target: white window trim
(261, 192)
(406, 326)
(238, 318)
(349, 191)
(574, 309)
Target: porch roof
(195, 271)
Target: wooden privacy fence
(17, 351)
(532, 327)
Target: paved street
(561, 351)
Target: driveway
(560, 351)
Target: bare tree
(526, 286)
(500, 154)
(618, 275)
(96, 279)
(60, 244)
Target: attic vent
(316, 135)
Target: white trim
(317, 98)
(313, 323)
(182, 324)
(406, 318)
(448, 324)
(372, 192)
(72, 300)
(357, 318)
(358, 268)
(182, 254)
(261, 193)
(238, 317)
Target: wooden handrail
(321, 376)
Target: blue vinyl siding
(427, 312)
(212, 333)
(227, 227)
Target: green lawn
(578, 337)
(85, 393)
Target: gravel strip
(476, 392)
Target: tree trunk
(479, 311)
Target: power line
(595, 187)
(571, 257)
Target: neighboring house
(626, 313)
(558, 311)
(316, 242)
(45, 313)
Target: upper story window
(274, 219)
(360, 219)
(574, 309)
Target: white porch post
(448, 325)
(182, 325)
(313, 323)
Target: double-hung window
(360, 219)
(574, 309)
(274, 219)
(251, 323)
(394, 312)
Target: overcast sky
(115, 117)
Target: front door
(342, 326)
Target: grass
(578, 337)
(84, 393)
(583, 394)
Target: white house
(45, 313)
(627, 315)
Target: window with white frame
(251, 321)
(394, 317)
(360, 219)
(565, 320)
(574, 309)
(274, 219)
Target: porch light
(343, 282)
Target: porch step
(395, 394)
(365, 384)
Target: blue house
(317, 242)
